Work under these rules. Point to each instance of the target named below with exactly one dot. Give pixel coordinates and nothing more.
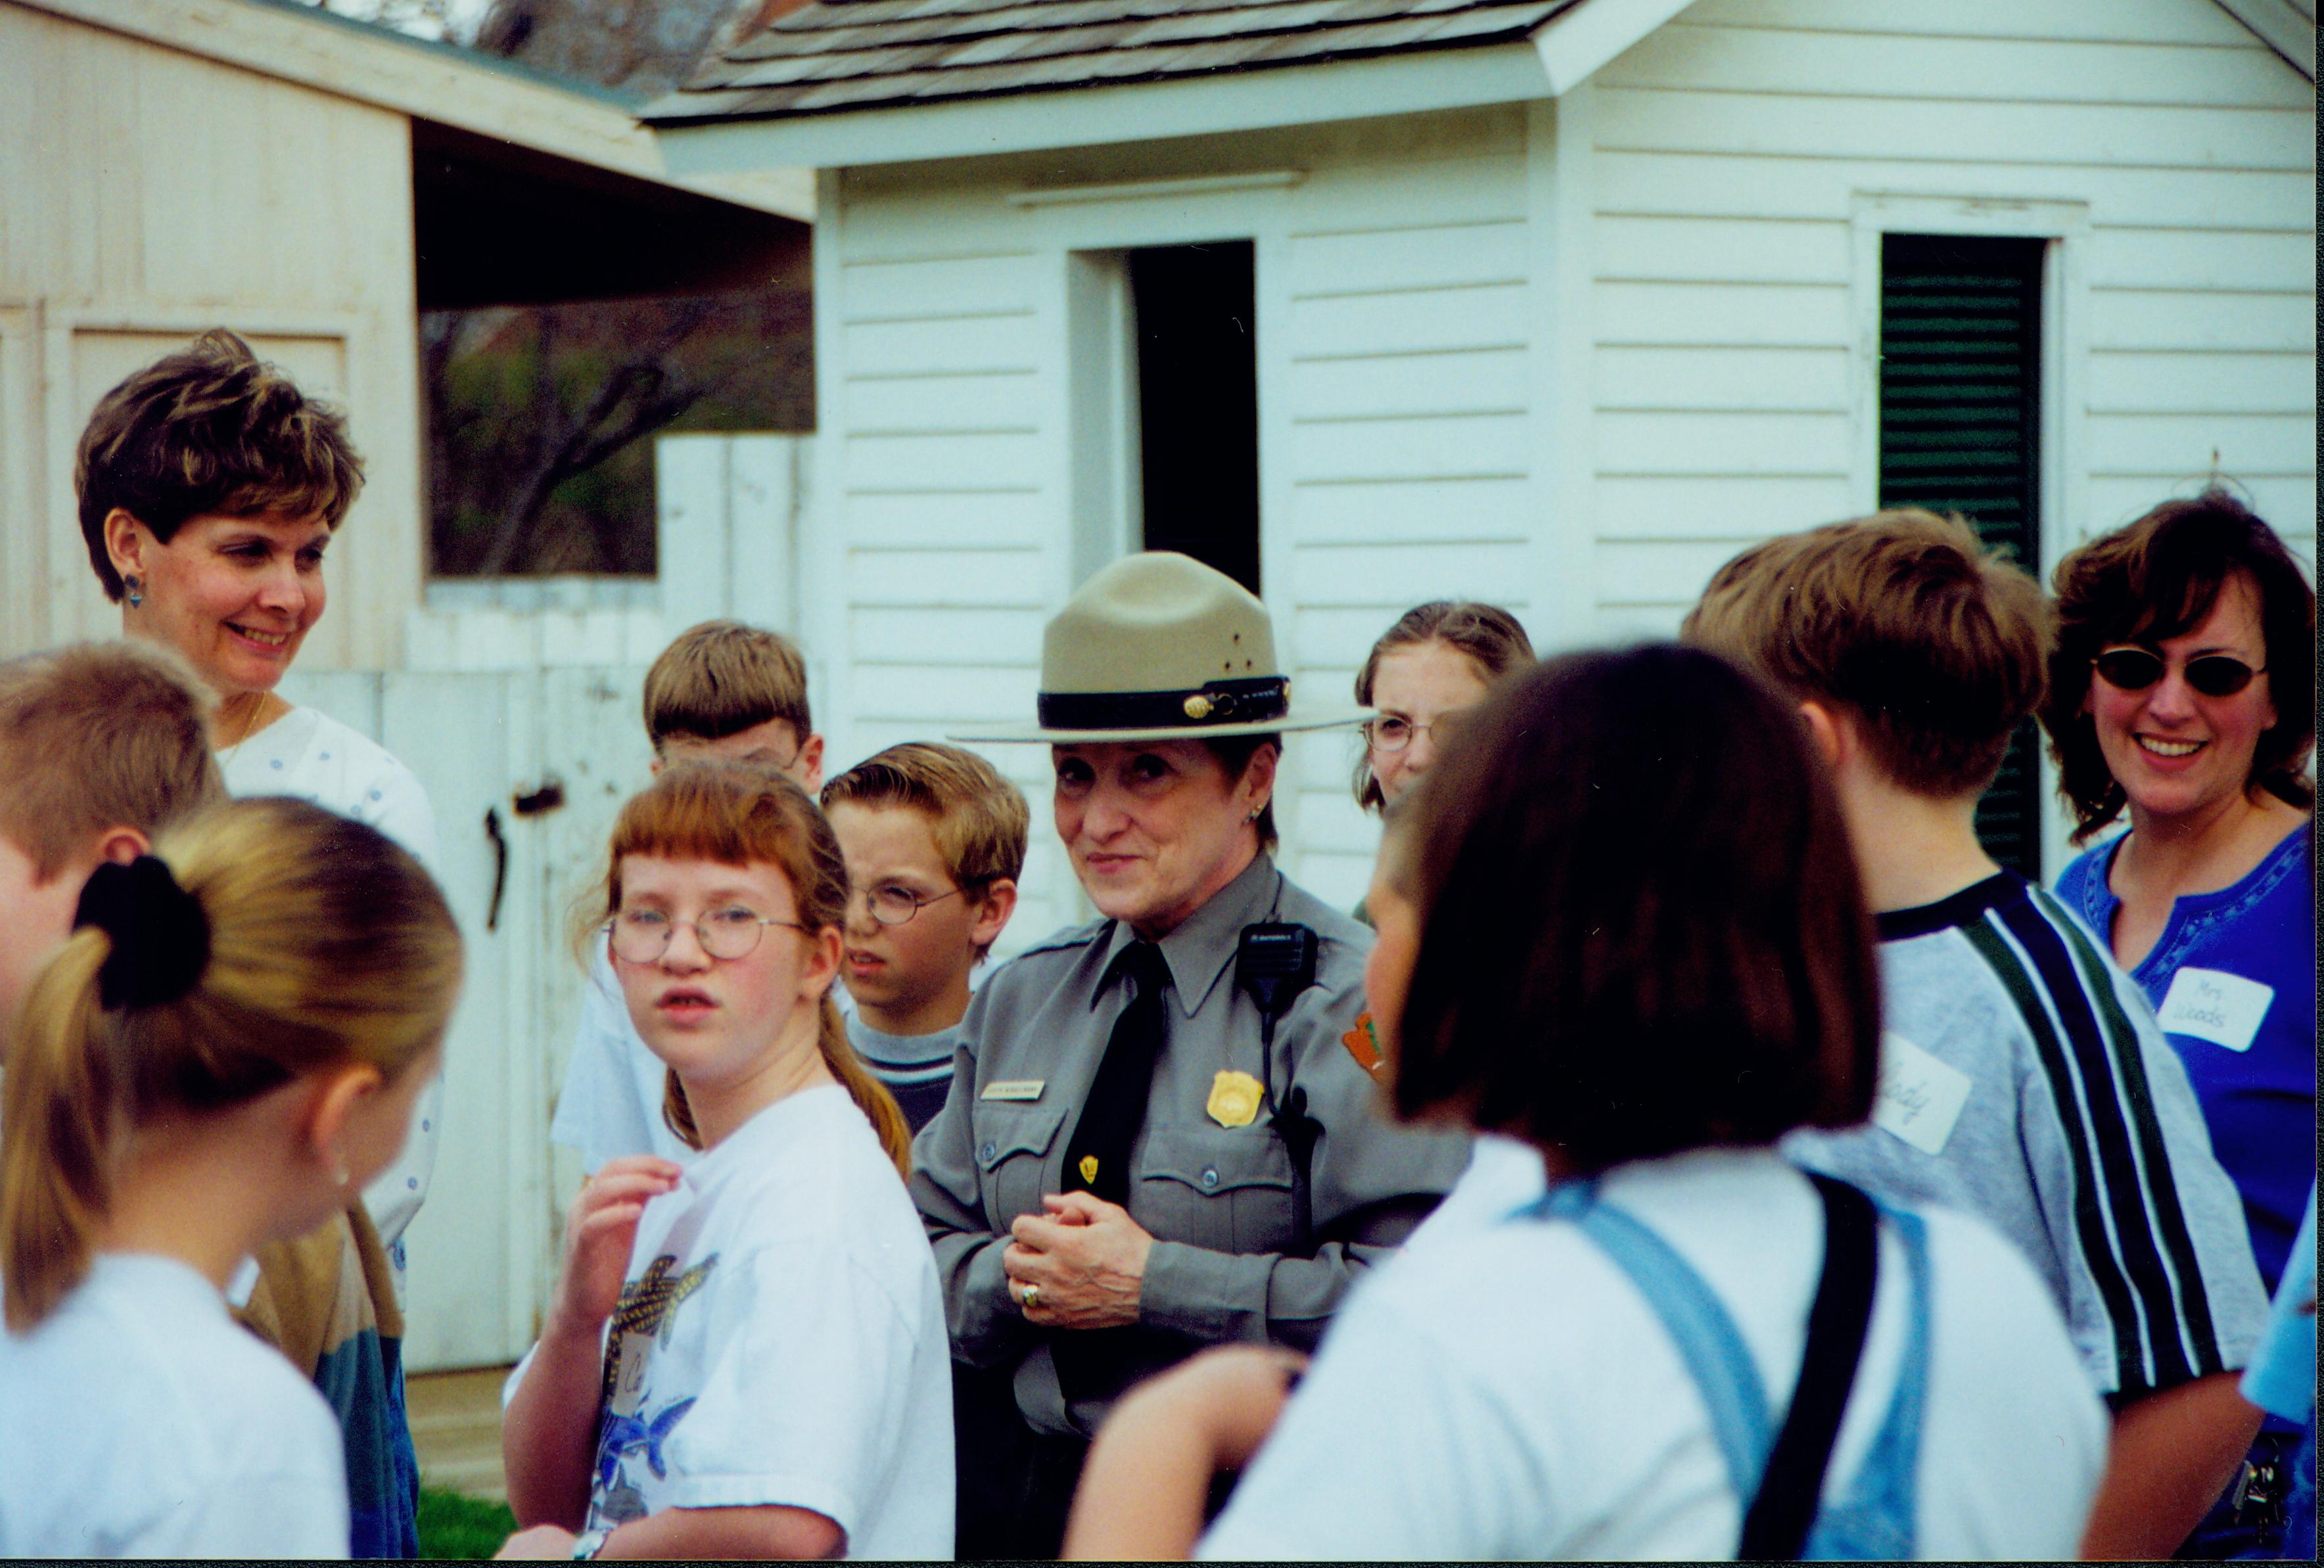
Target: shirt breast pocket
(1012, 1144)
(1225, 1188)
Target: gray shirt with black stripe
(2024, 1080)
(1213, 1179)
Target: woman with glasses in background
(1434, 663)
(2182, 690)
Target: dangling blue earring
(136, 591)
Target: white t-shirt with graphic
(142, 1421)
(780, 1340)
(311, 756)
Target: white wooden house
(1555, 303)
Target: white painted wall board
(2169, 319)
(999, 578)
(2212, 382)
(1456, 382)
(1404, 511)
(1410, 321)
(2163, 136)
(952, 345)
(2013, 69)
(997, 403)
(1763, 315)
(1422, 257)
(1717, 182)
(1724, 250)
(1411, 447)
(1732, 507)
(2131, 21)
(906, 521)
(1711, 378)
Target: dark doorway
(1198, 403)
(1960, 424)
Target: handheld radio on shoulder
(1274, 962)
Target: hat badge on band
(1157, 647)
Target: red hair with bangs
(740, 813)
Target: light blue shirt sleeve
(2281, 1377)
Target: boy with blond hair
(2023, 1076)
(103, 746)
(935, 841)
(720, 690)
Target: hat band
(1219, 702)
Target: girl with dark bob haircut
(1648, 881)
(1621, 920)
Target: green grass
(454, 1525)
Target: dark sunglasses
(2136, 670)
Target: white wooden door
(482, 1252)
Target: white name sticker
(1013, 1089)
(2213, 1005)
(1921, 1096)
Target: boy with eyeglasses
(934, 842)
(2024, 1077)
(720, 690)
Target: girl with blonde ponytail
(746, 1357)
(230, 1043)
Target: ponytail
(268, 940)
(55, 1132)
(871, 1096)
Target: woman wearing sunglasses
(2183, 689)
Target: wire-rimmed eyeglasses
(1393, 733)
(642, 936)
(895, 906)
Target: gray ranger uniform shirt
(1227, 1264)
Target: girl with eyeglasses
(746, 1358)
(2182, 691)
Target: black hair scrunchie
(161, 937)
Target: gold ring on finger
(1032, 1296)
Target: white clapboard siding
(1396, 446)
(1732, 150)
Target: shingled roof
(840, 55)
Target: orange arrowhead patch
(1364, 1044)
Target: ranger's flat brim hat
(1159, 647)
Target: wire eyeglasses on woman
(895, 906)
(642, 936)
(1391, 733)
(2136, 670)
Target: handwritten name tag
(1920, 1096)
(2213, 1005)
(1013, 1089)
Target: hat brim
(1297, 719)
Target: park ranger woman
(1162, 1130)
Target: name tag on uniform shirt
(2213, 1005)
(1013, 1089)
(1920, 1096)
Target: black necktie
(1098, 1363)
(1097, 1156)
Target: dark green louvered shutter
(1961, 421)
